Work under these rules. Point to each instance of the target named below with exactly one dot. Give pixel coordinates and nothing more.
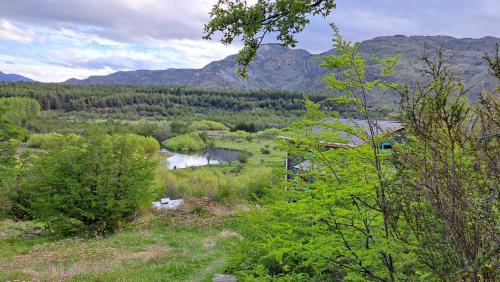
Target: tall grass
(207, 182)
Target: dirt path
(207, 273)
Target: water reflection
(217, 156)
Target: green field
(189, 245)
(182, 247)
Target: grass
(230, 182)
(254, 147)
(185, 246)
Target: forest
(80, 167)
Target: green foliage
(205, 182)
(21, 111)
(146, 103)
(269, 134)
(332, 221)
(447, 176)
(208, 125)
(89, 184)
(243, 158)
(494, 63)
(178, 128)
(151, 129)
(323, 228)
(149, 144)
(252, 22)
(185, 142)
(243, 126)
(48, 140)
(265, 151)
(10, 136)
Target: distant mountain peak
(5, 77)
(297, 69)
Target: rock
(224, 278)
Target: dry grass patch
(60, 263)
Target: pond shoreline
(185, 159)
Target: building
(393, 130)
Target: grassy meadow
(189, 244)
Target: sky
(54, 40)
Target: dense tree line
(157, 101)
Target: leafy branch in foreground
(252, 22)
(447, 187)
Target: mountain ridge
(11, 77)
(298, 69)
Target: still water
(183, 160)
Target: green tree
(10, 136)
(237, 18)
(21, 111)
(447, 187)
(89, 184)
(335, 220)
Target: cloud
(128, 21)
(11, 32)
(54, 40)
(361, 20)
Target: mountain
(297, 69)
(13, 77)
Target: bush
(243, 158)
(48, 140)
(208, 125)
(248, 127)
(19, 110)
(186, 142)
(146, 128)
(149, 144)
(249, 137)
(269, 134)
(179, 128)
(89, 185)
(265, 151)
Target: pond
(217, 156)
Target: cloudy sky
(53, 40)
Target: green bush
(243, 158)
(48, 140)
(149, 144)
(208, 125)
(269, 134)
(89, 185)
(265, 151)
(186, 142)
(21, 111)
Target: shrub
(208, 125)
(91, 184)
(265, 151)
(48, 140)
(186, 142)
(248, 127)
(243, 158)
(149, 144)
(20, 110)
(269, 134)
(178, 128)
(249, 137)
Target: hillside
(13, 77)
(297, 69)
